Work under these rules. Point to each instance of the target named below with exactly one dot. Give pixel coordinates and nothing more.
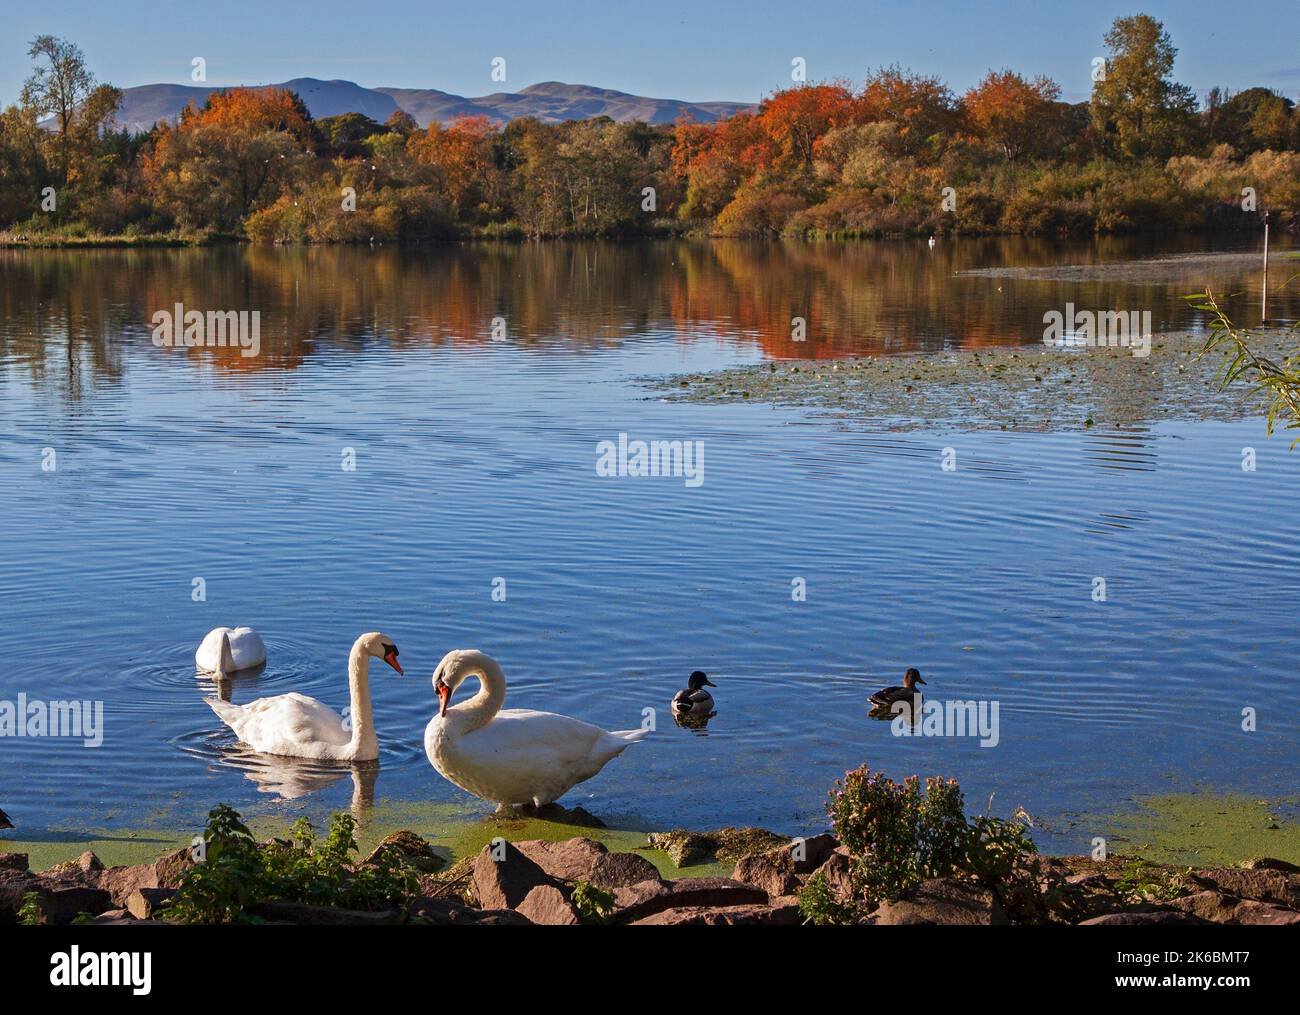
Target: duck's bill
(444, 696)
(391, 659)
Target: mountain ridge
(549, 101)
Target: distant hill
(550, 102)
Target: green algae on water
(1204, 829)
(456, 832)
(1019, 388)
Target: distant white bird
(932, 241)
(514, 755)
(302, 727)
(229, 649)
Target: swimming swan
(230, 649)
(302, 727)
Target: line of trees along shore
(901, 153)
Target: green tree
(58, 88)
(1137, 107)
(23, 169)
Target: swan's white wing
(522, 755)
(285, 724)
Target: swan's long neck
(363, 727)
(480, 709)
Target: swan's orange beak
(390, 658)
(444, 696)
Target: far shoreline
(512, 233)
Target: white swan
(229, 649)
(515, 755)
(302, 727)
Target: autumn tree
(460, 161)
(57, 87)
(716, 158)
(796, 118)
(1137, 106)
(23, 167)
(401, 122)
(1012, 115)
(921, 106)
(1252, 120)
(231, 157)
(344, 134)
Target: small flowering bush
(896, 835)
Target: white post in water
(1264, 306)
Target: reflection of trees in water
(68, 314)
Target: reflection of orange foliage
(856, 298)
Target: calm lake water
(475, 460)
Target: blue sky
(736, 49)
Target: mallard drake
(693, 699)
(888, 695)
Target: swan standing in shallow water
(302, 727)
(230, 649)
(514, 755)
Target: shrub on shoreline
(898, 836)
(236, 872)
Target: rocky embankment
(554, 883)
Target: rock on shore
(555, 883)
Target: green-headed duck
(693, 699)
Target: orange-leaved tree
(1012, 115)
(231, 157)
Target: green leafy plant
(594, 905)
(31, 912)
(1278, 382)
(897, 837)
(237, 872)
(1146, 882)
(820, 906)
(1003, 858)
